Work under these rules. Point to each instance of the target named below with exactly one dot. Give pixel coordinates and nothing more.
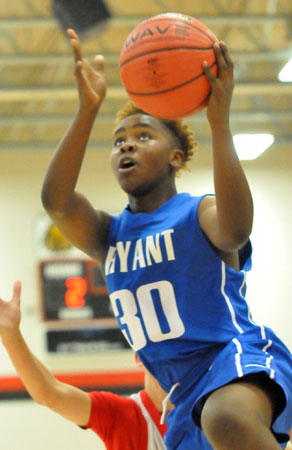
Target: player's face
(143, 154)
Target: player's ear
(177, 158)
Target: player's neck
(151, 201)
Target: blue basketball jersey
(183, 310)
(173, 296)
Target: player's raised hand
(90, 78)
(221, 86)
(10, 311)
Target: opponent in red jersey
(122, 423)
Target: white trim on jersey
(263, 335)
(242, 284)
(237, 357)
(155, 440)
(269, 359)
(227, 300)
(264, 349)
(247, 305)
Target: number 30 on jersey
(127, 315)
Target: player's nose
(128, 147)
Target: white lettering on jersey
(134, 333)
(110, 260)
(168, 244)
(124, 304)
(123, 255)
(139, 255)
(144, 252)
(153, 249)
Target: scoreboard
(73, 289)
(76, 308)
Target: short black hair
(182, 132)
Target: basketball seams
(193, 110)
(161, 65)
(151, 52)
(177, 86)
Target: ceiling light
(286, 73)
(250, 146)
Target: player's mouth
(126, 164)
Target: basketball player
(175, 267)
(122, 423)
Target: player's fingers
(75, 43)
(99, 63)
(16, 291)
(72, 33)
(219, 57)
(79, 72)
(81, 75)
(208, 72)
(226, 55)
(76, 50)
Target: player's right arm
(66, 400)
(227, 217)
(77, 220)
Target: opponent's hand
(90, 79)
(218, 107)
(10, 311)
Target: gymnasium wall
(21, 176)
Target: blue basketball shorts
(244, 355)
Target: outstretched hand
(10, 311)
(90, 79)
(221, 86)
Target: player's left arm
(66, 400)
(226, 218)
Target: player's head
(182, 132)
(148, 152)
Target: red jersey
(123, 423)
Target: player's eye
(144, 136)
(119, 142)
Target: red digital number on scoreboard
(76, 290)
(73, 289)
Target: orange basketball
(161, 65)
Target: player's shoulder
(99, 239)
(112, 401)
(206, 201)
(117, 419)
(104, 219)
(206, 209)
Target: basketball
(161, 65)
